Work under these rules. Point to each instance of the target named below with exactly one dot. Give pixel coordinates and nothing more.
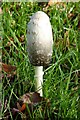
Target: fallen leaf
(33, 101)
(35, 98)
(18, 106)
(7, 68)
(21, 39)
(14, 110)
(50, 2)
(23, 107)
(9, 43)
(32, 97)
(70, 15)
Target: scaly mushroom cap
(39, 39)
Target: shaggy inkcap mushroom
(39, 39)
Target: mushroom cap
(39, 39)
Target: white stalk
(39, 79)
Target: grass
(62, 76)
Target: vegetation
(62, 77)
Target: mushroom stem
(39, 79)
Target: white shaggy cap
(39, 15)
(39, 39)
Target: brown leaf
(26, 98)
(70, 15)
(21, 39)
(14, 111)
(50, 2)
(29, 98)
(18, 106)
(9, 43)
(32, 97)
(7, 68)
(23, 107)
(31, 104)
(10, 72)
(35, 98)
